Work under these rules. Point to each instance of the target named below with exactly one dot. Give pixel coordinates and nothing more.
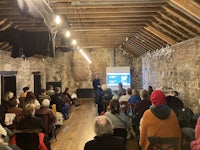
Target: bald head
(103, 126)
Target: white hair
(45, 103)
(104, 87)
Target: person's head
(8, 95)
(97, 76)
(102, 126)
(143, 94)
(26, 89)
(66, 89)
(29, 110)
(43, 91)
(104, 87)
(57, 89)
(150, 89)
(174, 93)
(120, 85)
(135, 92)
(30, 95)
(45, 103)
(50, 87)
(129, 91)
(158, 98)
(13, 102)
(114, 106)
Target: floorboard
(78, 129)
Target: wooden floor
(78, 129)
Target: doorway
(8, 83)
(37, 83)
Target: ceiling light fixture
(67, 33)
(57, 19)
(74, 42)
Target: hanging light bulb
(57, 20)
(74, 42)
(67, 33)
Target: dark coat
(31, 123)
(47, 117)
(107, 142)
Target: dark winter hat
(158, 98)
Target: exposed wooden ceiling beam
(165, 30)
(6, 26)
(3, 21)
(183, 19)
(182, 35)
(178, 24)
(160, 35)
(187, 6)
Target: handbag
(129, 135)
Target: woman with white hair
(47, 116)
(104, 139)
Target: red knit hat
(158, 98)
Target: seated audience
(43, 95)
(104, 139)
(47, 116)
(70, 98)
(121, 91)
(50, 90)
(61, 106)
(127, 96)
(13, 108)
(150, 90)
(31, 98)
(118, 119)
(107, 96)
(31, 122)
(23, 96)
(135, 97)
(108, 93)
(195, 145)
(4, 105)
(25, 91)
(159, 121)
(174, 102)
(139, 109)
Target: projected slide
(115, 78)
(116, 75)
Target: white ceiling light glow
(57, 20)
(74, 42)
(67, 33)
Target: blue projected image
(115, 78)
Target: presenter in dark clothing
(96, 86)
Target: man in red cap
(159, 121)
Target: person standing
(96, 86)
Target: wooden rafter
(160, 35)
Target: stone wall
(175, 68)
(69, 68)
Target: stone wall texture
(175, 68)
(70, 68)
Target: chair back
(163, 143)
(27, 139)
(54, 109)
(120, 132)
